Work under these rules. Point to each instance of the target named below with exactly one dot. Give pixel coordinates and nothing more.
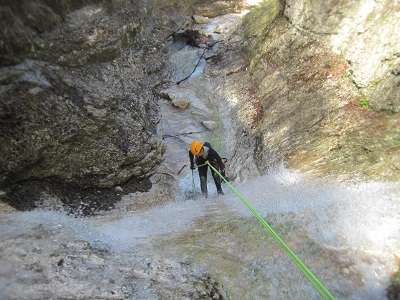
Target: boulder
(210, 125)
(219, 29)
(118, 189)
(180, 102)
(179, 97)
(200, 19)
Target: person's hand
(222, 171)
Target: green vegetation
(393, 291)
(364, 102)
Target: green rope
(318, 285)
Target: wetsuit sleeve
(214, 157)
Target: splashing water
(365, 214)
(361, 219)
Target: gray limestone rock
(76, 107)
(96, 140)
(200, 19)
(326, 97)
(210, 125)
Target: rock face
(326, 85)
(54, 127)
(77, 107)
(74, 268)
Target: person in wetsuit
(199, 153)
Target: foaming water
(360, 219)
(117, 234)
(23, 222)
(128, 231)
(366, 215)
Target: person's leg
(217, 181)
(203, 180)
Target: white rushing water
(362, 219)
(366, 215)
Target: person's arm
(214, 156)
(216, 160)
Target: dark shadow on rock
(71, 198)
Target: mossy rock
(393, 291)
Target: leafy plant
(364, 102)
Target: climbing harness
(314, 280)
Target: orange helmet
(196, 147)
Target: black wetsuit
(210, 155)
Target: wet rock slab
(46, 259)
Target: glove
(192, 167)
(222, 171)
